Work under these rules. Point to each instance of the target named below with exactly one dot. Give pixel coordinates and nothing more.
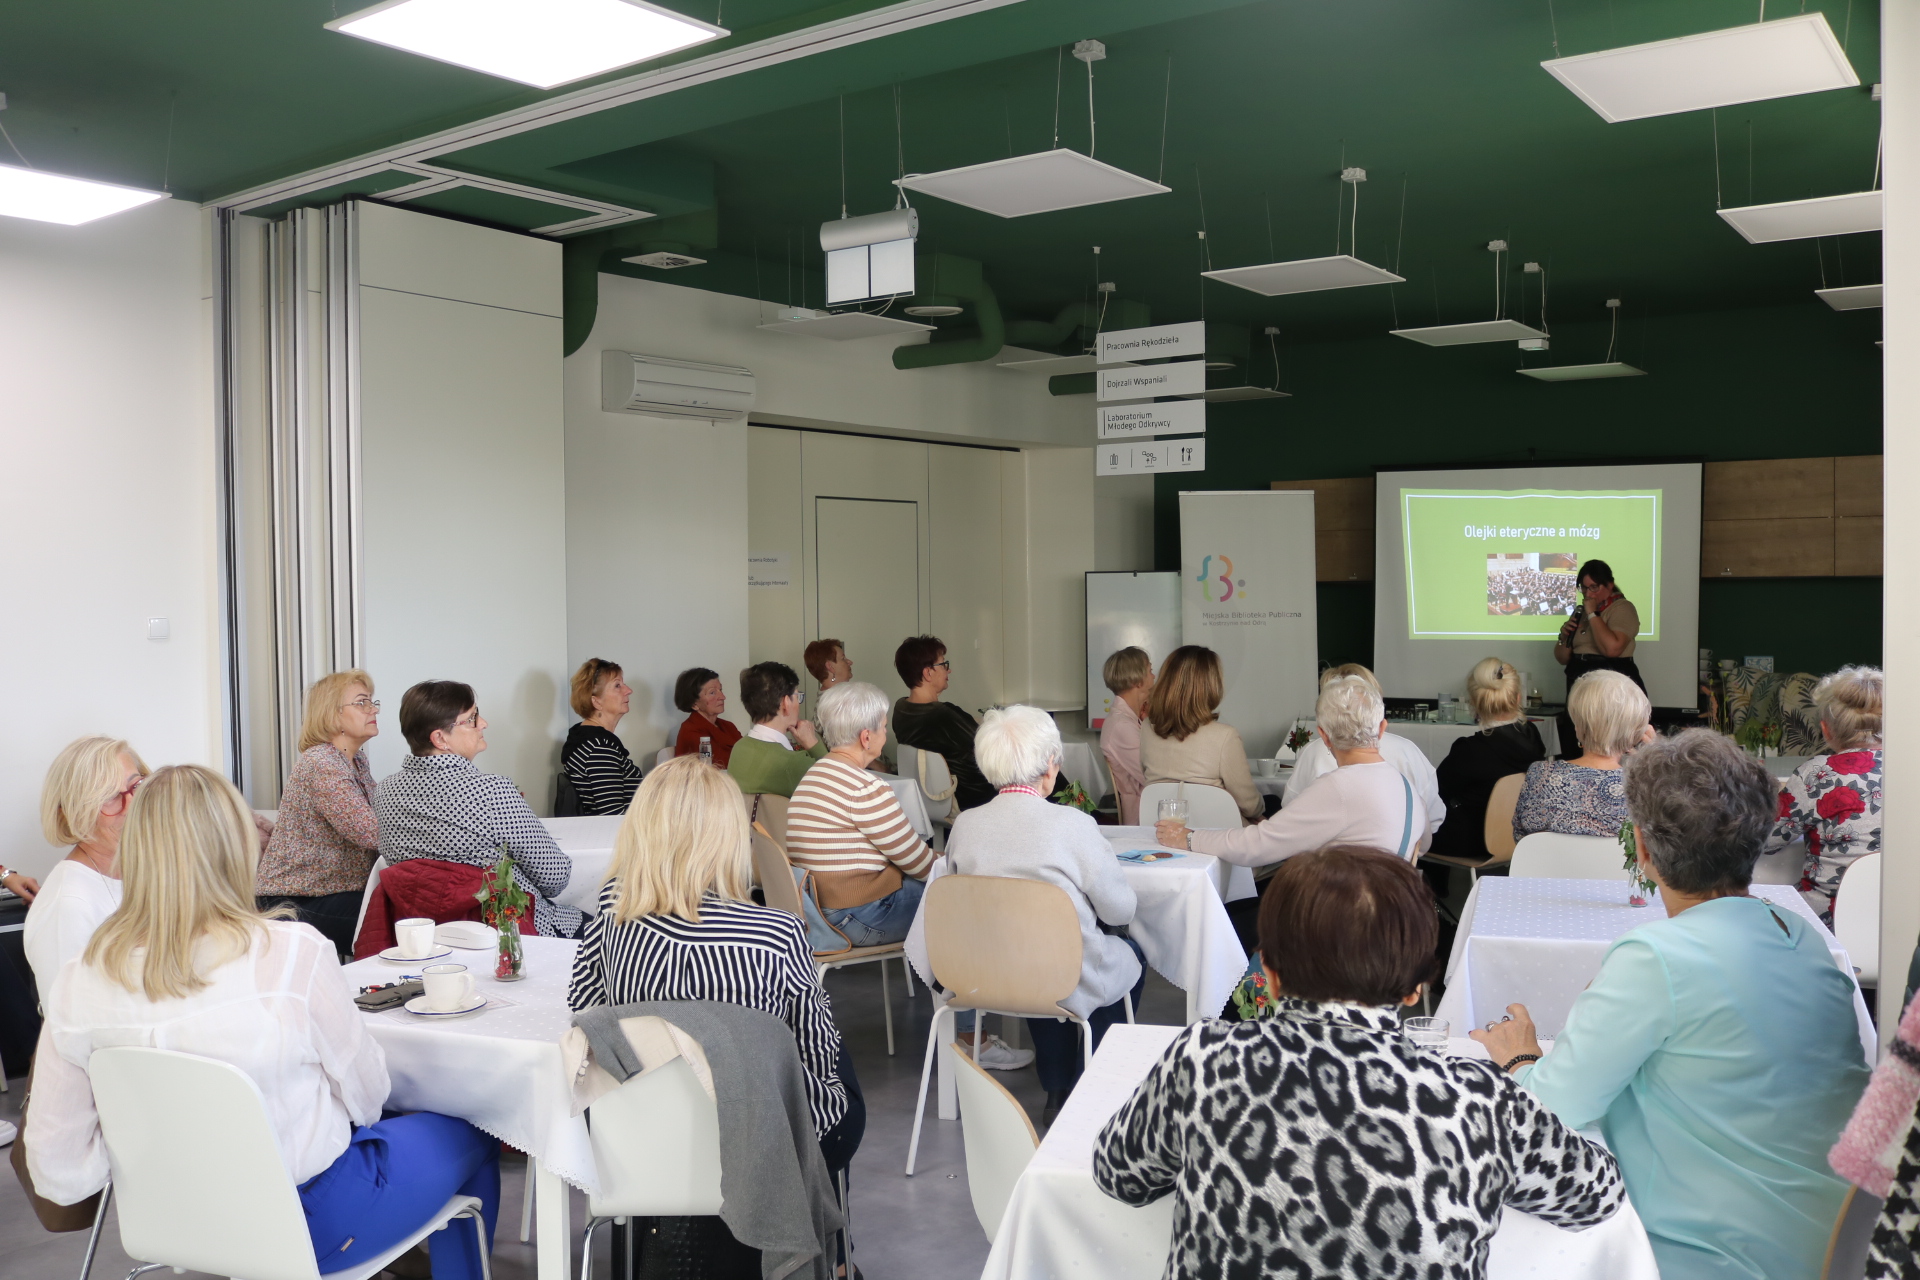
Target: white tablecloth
(1435, 740)
(1059, 1224)
(1539, 942)
(589, 843)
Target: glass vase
(510, 959)
(1639, 892)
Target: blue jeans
(875, 924)
(392, 1177)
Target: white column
(1900, 108)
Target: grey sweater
(1028, 838)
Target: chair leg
(886, 1002)
(586, 1247)
(926, 1070)
(140, 1271)
(1129, 999)
(93, 1236)
(480, 1242)
(846, 1224)
(1086, 1036)
(526, 1206)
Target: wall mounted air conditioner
(663, 388)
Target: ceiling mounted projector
(871, 256)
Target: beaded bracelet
(1519, 1058)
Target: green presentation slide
(1493, 562)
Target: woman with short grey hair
(1019, 834)
(1833, 801)
(1718, 1049)
(1365, 801)
(848, 710)
(1585, 796)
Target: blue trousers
(391, 1178)
(1057, 1047)
(873, 924)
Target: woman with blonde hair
(83, 804)
(1182, 740)
(326, 840)
(1316, 761)
(1586, 796)
(1507, 743)
(594, 758)
(676, 923)
(189, 964)
(1833, 801)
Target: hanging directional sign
(1180, 378)
(1147, 456)
(1160, 342)
(1167, 418)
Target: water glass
(1429, 1033)
(1420, 711)
(1173, 811)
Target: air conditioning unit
(663, 388)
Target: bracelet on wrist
(1518, 1059)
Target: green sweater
(763, 767)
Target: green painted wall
(1779, 382)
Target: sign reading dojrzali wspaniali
(1149, 456)
(1180, 378)
(1167, 418)
(1160, 342)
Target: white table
(1539, 942)
(1060, 1224)
(499, 1070)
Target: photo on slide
(1506, 563)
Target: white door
(867, 576)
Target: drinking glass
(1173, 811)
(1430, 1033)
(1420, 711)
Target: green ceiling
(1444, 101)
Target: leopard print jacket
(1322, 1142)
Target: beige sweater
(1212, 755)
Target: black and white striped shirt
(604, 776)
(737, 953)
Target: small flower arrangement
(1641, 889)
(503, 904)
(1075, 796)
(1759, 737)
(1251, 999)
(1299, 738)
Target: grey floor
(922, 1228)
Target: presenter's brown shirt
(1620, 617)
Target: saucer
(392, 956)
(419, 1005)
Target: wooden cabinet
(1342, 527)
(1790, 518)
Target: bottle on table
(706, 750)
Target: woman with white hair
(1833, 801)
(1365, 801)
(1020, 834)
(1316, 762)
(1585, 796)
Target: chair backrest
(1856, 917)
(197, 1178)
(1553, 856)
(1852, 1230)
(663, 755)
(775, 874)
(656, 1147)
(770, 811)
(999, 1136)
(929, 770)
(1500, 806)
(566, 801)
(1207, 807)
(373, 878)
(1003, 944)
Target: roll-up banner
(1247, 593)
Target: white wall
(463, 481)
(107, 454)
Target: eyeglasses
(364, 704)
(469, 721)
(944, 663)
(120, 799)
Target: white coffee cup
(1266, 767)
(413, 938)
(449, 986)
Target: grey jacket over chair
(776, 1194)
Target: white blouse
(283, 1014)
(70, 905)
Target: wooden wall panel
(1857, 486)
(1768, 488)
(1857, 547)
(1342, 526)
(1800, 548)
(1343, 555)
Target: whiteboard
(1140, 609)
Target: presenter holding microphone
(1599, 636)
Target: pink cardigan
(1870, 1147)
(1120, 744)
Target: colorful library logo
(1230, 586)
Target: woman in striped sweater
(595, 760)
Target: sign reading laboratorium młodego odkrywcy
(1132, 404)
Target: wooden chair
(999, 1137)
(1498, 830)
(775, 874)
(770, 811)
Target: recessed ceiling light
(1583, 372)
(1805, 219)
(53, 197)
(1459, 335)
(1762, 60)
(1852, 297)
(543, 43)
(1037, 183)
(1306, 275)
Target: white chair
(1856, 917)
(366, 894)
(198, 1176)
(999, 1137)
(1208, 808)
(929, 770)
(1553, 856)
(663, 755)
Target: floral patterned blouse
(1572, 799)
(325, 839)
(1834, 802)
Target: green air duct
(585, 257)
(1074, 318)
(956, 278)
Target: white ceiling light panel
(1805, 219)
(1583, 372)
(1852, 297)
(1037, 183)
(1459, 335)
(1053, 366)
(843, 326)
(1778, 59)
(543, 43)
(1307, 275)
(51, 197)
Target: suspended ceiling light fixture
(53, 197)
(1608, 368)
(1313, 275)
(1498, 329)
(1044, 181)
(1805, 219)
(1851, 297)
(1779, 59)
(544, 43)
